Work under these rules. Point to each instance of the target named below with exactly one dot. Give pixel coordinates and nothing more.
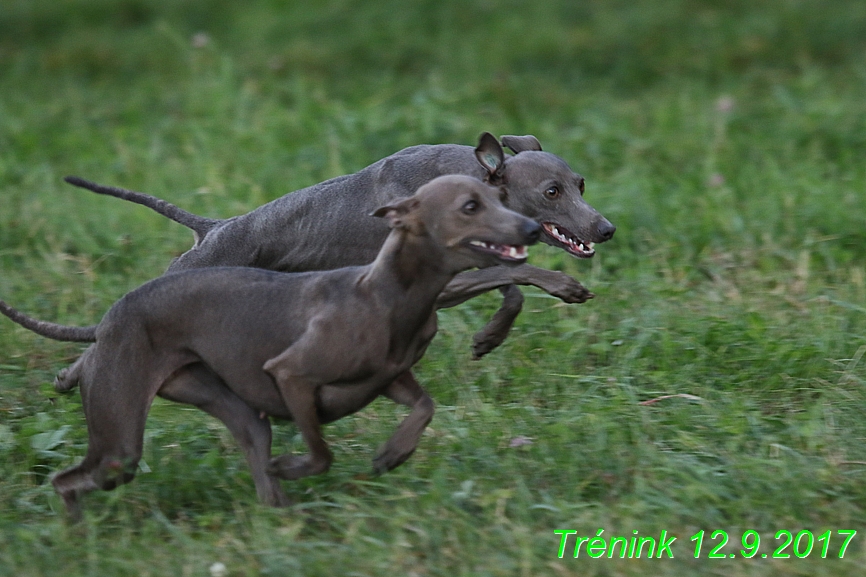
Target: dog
(311, 347)
(324, 226)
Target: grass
(725, 140)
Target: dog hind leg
(196, 385)
(115, 428)
(118, 382)
(68, 378)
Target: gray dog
(325, 226)
(311, 347)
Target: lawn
(717, 382)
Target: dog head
(543, 187)
(466, 218)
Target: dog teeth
(569, 241)
(506, 251)
(561, 237)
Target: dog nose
(606, 230)
(532, 231)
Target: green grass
(726, 140)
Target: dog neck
(406, 279)
(413, 262)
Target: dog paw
(571, 291)
(291, 467)
(483, 344)
(389, 458)
(65, 381)
(486, 340)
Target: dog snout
(531, 231)
(605, 230)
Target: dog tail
(198, 224)
(50, 330)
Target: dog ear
(489, 154)
(518, 144)
(396, 212)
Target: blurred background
(725, 139)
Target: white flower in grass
(200, 40)
(519, 441)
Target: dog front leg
(497, 328)
(299, 394)
(467, 285)
(405, 390)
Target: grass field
(727, 142)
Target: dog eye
(552, 192)
(471, 207)
(581, 186)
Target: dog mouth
(564, 238)
(505, 252)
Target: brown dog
(310, 347)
